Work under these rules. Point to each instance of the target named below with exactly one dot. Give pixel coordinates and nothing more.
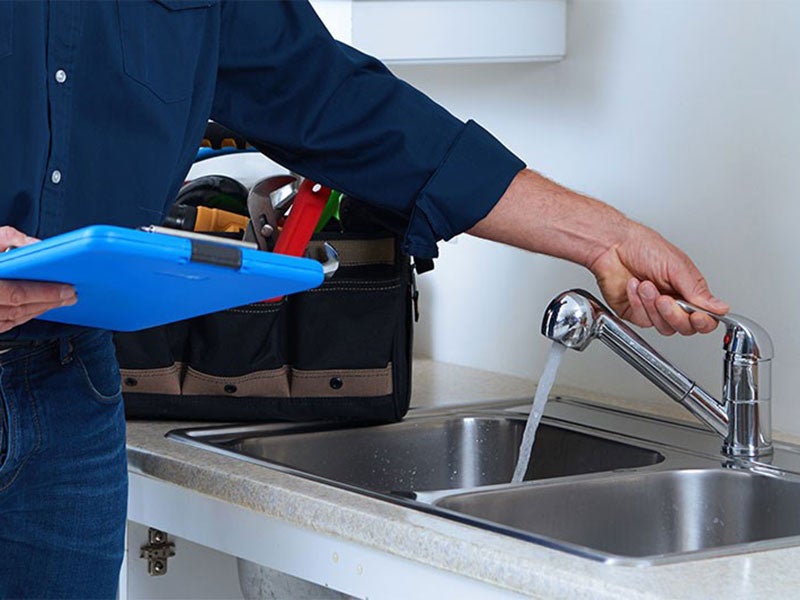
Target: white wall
(685, 114)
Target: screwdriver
(202, 218)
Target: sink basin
(441, 453)
(646, 518)
(605, 484)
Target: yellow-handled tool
(202, 218)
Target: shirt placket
(62, 38)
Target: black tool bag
(340, 351)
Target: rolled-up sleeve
(339, 117)
(467, 184)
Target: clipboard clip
(330, 260)
(200, 237)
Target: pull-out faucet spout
(575, 318)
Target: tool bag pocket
(235, 359)
(350, 338)
(339, 351)
(152, 360)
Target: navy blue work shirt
(103, 106)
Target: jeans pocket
(6, 28)
(98, 368)
(20, 429)
(162, 42)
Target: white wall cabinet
(443, 31)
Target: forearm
(539, 215)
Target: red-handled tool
(306, 210)
(309, 202)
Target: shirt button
(55, 176)
(61, 76)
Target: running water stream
(546, 382)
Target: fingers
(664, 274)
(21, 301)
(637, 314)
(692, 286)
(13, 237)
(19, 315)
(683, 322)
(20, 293)
(649, 296)
(703, 323)
(666, 315)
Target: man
(102, 110)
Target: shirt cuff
(474, 174)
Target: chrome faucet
(575, 318)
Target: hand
(641, 277)
(638, 271)
(21, 301)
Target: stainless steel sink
(441, 452)
(647, 517)
(606, 484)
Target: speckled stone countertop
(485, 556)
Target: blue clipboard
(128, 279)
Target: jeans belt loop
(65, 349)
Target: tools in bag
(339, 351)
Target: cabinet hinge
(157, 551)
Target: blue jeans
(63, 474)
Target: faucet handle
(746, 385)
(743, 337)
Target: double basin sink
(605, 484)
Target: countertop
(492, 558)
